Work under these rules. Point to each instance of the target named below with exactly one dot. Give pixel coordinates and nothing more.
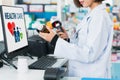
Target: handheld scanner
(57, 25)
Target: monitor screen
(14, 29)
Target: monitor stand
(3, 57)
(29, 55)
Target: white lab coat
(89, 52)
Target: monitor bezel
(14, 53)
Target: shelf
(40, 10)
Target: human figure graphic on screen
(15, 35)
(18, 34)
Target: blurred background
(39, 12)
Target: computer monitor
(14, 30)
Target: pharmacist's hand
(47, 36)
(63, 34)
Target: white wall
(116, 2)
(1, 32)
(0, 2)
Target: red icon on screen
(11, 26)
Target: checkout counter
(9, 73)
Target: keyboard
(43, 63)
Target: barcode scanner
(57, 25)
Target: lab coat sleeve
(94, 47)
